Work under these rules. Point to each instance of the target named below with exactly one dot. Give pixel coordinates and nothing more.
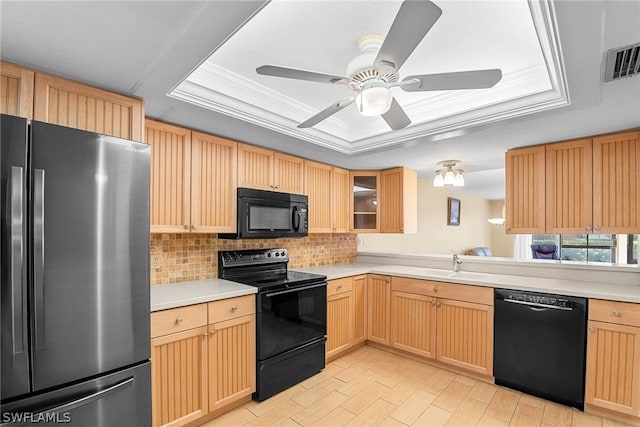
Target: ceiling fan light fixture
(449, 176)
(374, 99)
(438, 181)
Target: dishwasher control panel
(539, 299)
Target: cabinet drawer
(414, 286)
(339, 286)
(621, 313)
(469, 293)
(178, 319)
(231, 308)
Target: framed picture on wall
(453, 211)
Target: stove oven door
(290, 318)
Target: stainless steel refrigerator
(74, 257)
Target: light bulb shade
(438, 181)
(459, 180)
(496, 221)
(449, 177)
(374, 99)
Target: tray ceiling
(518, 37)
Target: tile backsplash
(190, 256)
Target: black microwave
(269, 214)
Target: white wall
(501, 244)
(434, 236)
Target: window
(632, 248)
(588, 247)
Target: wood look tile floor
(371, 387)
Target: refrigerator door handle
(38, 255)
(84, 400)
(16, 191)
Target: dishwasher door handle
(540, 307)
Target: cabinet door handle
(433, 303)
(338, 288)
(194, 226)
(588, 227)
(179, 320)
(616, 313)
(187, 226)
(597, 228)
(438, 304)
(234, 308)
(435, 289)
(592, 329)
(212, 333)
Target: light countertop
(187, 293)
(614, 292)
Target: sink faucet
(456, 262)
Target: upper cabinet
(398, 201)
(328, 190)
(616, 183)
(193, 180)
(364, 201)
(524, 198)
(568, 187)
(384, 201)
(68, 103)
(590, 185)
(269, 170)
(16, 90)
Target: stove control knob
(269, 254)
(282, 253)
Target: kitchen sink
(435, 273)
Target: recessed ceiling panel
(516, 37)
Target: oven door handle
(298, 289)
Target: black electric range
(291, 316)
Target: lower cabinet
(346, 314)
(613, 357)
(378, 308)
(202, 359)
(448, 322)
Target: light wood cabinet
(346, 314)
(72, 104)
(378, 308)
(448, 322)
(465, 335)
(269, 170)
(525, 190)
(213, 184)
(413, 320)
(179, 365)
(613, 357)
(359, 309)
(340, 317)
(193, 180)
(232, 360)
(340, 200)
(364, 201)
(590, 185)
(328, 190)
(398, 201)
(16, 90)
(203, 358)
(616, 183)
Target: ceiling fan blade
(396, 118)
(478, 79)
(329, 111)
(292, 73)
(411, 24)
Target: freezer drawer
(122, 399)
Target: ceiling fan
(374, 71)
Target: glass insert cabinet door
(364, 201)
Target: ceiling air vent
(622, 62)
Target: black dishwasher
(540, 343)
